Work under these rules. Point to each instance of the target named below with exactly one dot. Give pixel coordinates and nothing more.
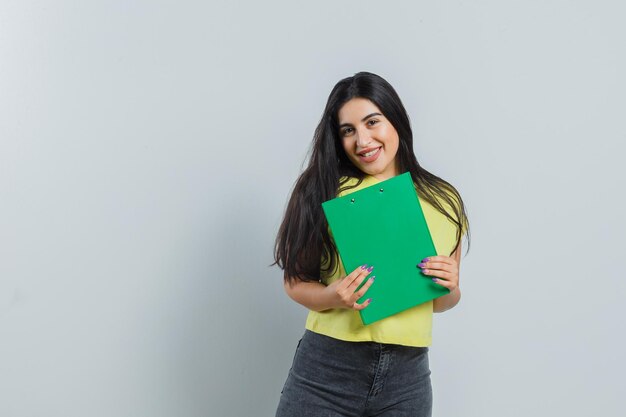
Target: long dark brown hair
(303, 248)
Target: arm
(312, 295)
(339, 294)
(448, 301)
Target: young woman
(341, 367)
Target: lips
(372, 155)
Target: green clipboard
(383, 225)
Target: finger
(446, 271)
(443, 283)
(348, 280)
(361, 306)
(438, 264)
(441, 274)
(347, 291)
(359, 279)
(365, 287)
(439, 258)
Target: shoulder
(446, 195)
(448, 200)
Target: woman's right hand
(342, 291)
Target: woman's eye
(347, 130)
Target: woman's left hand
(444, 269)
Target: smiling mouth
(370, 156)
(370, 153)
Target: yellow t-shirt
(411, 327)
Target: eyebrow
(363, 119)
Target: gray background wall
(147, 150)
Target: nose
(363, 138)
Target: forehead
(355, 109)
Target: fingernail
(364, 266)
(425, 260)
(372, 278)
(424, 270)
(370, 268)
(435, 279)
(369, 300)
(422, 264)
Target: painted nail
(369, 300)
(435, 279)
(422, 264)
(370, 268)
(372, 277)
(424, 270)
(425, 259)
(364, 266)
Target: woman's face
(368, 138)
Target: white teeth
(370, 153)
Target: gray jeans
(336, 378)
